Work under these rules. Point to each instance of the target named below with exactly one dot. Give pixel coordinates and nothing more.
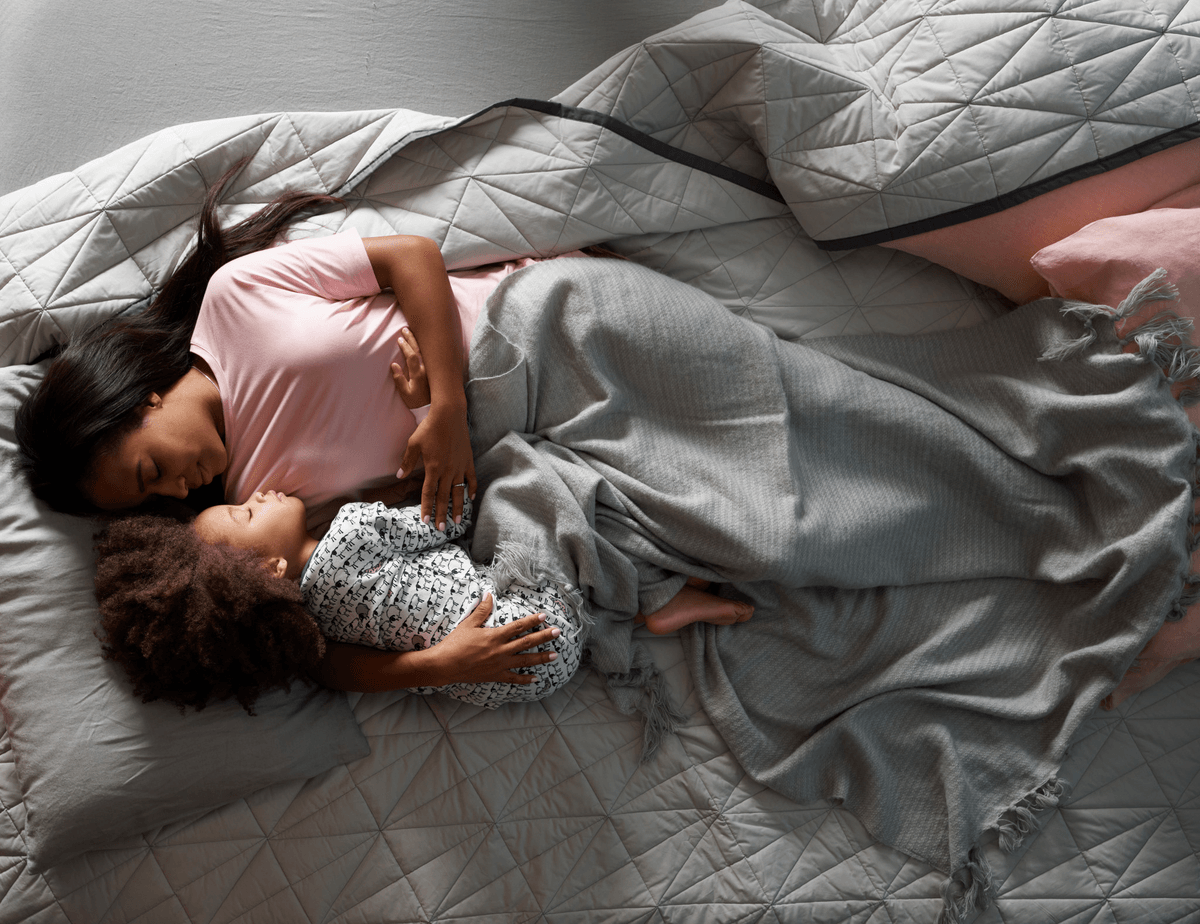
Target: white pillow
(95, 764)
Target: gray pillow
(95, 764)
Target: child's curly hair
(192, 622)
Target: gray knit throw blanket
(956, 543)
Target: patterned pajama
(380, 577)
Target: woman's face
(175, 448)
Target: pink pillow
(1100, 263)
(995, 250)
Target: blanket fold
(954, 548)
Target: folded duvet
(719, 151)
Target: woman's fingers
(435, 497)
(519, 627)
(458, 494)
(439, 496)
(408, 464)
(478, 616)
(529, 660)
(535, 640)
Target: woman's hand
(443, 443)
(471, 653)
(444, 447)
(475, 653)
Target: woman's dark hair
(192, 622)
(93, 389)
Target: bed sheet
(542, 812)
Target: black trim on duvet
(1017, 196)
(641, 139)
(770, 191)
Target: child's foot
(694, 605)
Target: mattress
(545, 811)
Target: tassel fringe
(1025, 816)
(968, 890)
(644, 689)
(1165, 340)
(971, 888)
(520, 565)
(1151, 289)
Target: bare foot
(694, 605)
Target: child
(380, 577)
(241, 599)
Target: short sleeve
(339, 265)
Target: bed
(545, 810)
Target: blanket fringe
(1024, 817)
(971, 888)
(1165, 340)
(518, 564)
(968, 890)
(644, 689)
(1151, 289)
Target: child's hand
(409, 375)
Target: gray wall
(79, 78)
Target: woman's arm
(412, 267)
(471, 653)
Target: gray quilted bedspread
(729, 153)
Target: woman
(135, 408)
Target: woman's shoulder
(332, 267)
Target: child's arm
(402, 529)
(471, 653)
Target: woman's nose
(177, 488)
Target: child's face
(271, 524)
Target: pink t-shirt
(301, 342)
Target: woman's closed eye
(147, 473)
